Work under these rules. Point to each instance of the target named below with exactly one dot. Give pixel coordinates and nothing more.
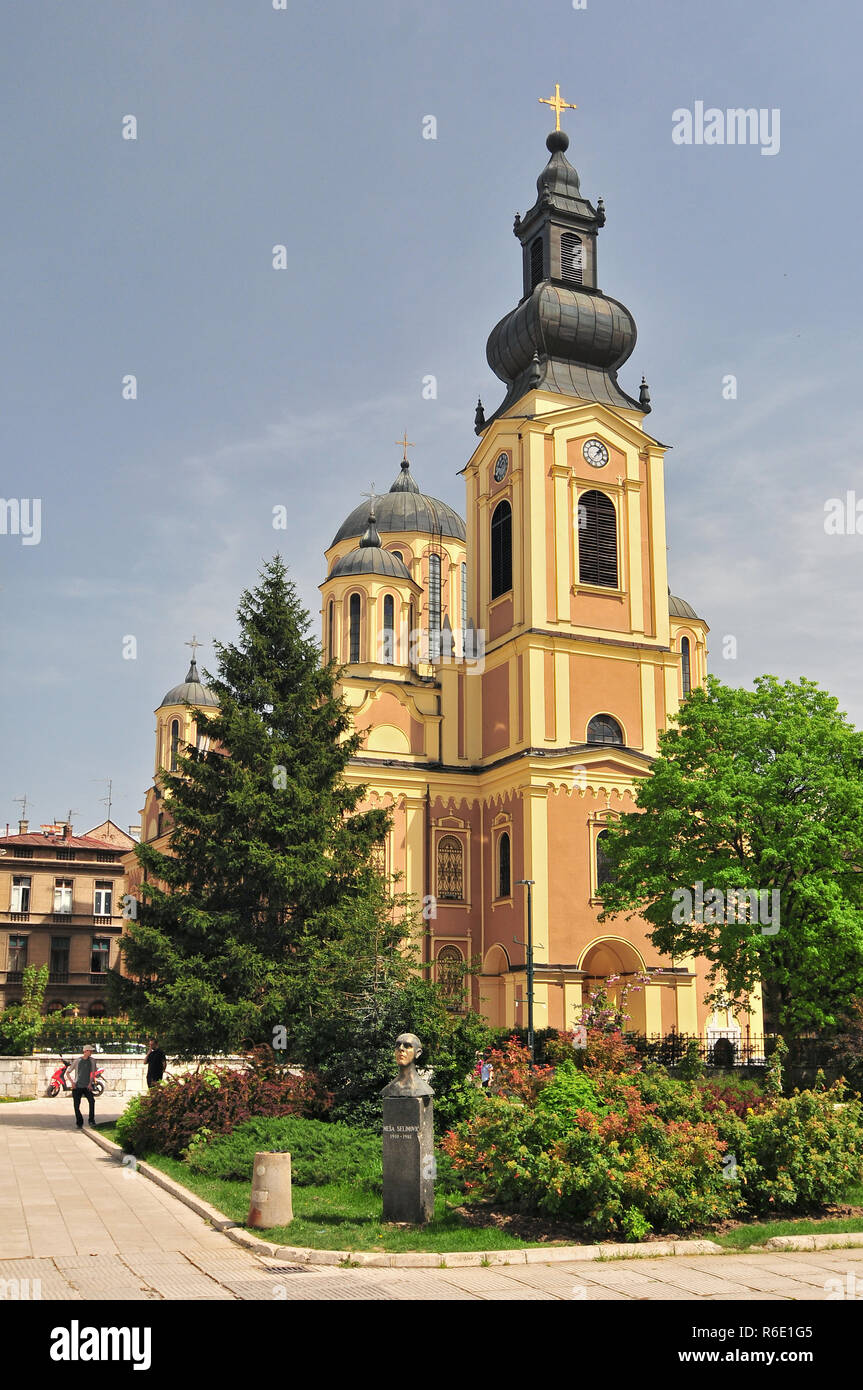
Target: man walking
(156, 1064)
(84, 1071)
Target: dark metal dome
(370, 558)
(679, 608)
(191, 692)
(404, 508)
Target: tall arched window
(175, 744)
(603, 729)
(331, 625)
(501, 549)
(684, 665)
(463, 598)
(603, 865)
(355, 628)
(389, 630)
(597, 540)
(503, 866)
(535, 262)
(450, 868)
(570, 258)
(434, 608)
(450, 976)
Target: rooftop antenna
(22, 801)
(107, 800)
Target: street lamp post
(528, 883)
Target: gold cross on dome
(406, 444)
(557, 104)
(193, 644)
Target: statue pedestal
(408, 1159)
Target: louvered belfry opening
(535, 262)
(571, 258)
(501, 550)
(597, 540)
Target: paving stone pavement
(84, 1226)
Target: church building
(511, 672)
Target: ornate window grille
(450, 868)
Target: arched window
(603, 729)
(570, 258)
(398, 554)
(175, 744)
(331, 625)
(450, 868)
(450, 976)
(603, 866)
(597, 540)
(389, 630)
(501, 549)
(535, 262)
(355, 628)
(378, 857)
(503, 866)
(97, 1009)
(434, 608)
(463, 598)
(684, 665)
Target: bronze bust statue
(408, 1082)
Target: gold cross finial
(406, 444)
(557, 104)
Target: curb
(454, 1259)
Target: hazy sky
(258, 387)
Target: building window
(603, 866)
(20, 898)
(21, 852)
(62, 895)
(399, 556)
(450, 868)
(17, 954)
(59, 964)
(331, 623)
(103, 856)
(434, 608)
(570, 258)
(102, 900)
(463, 596)
(684, 665)
(389, 641)
(503, 866)
(535, 262)
(603, 729)
(501, 549)
(67, 854)
(378, 857)
(597, 540)
(97, 1009)
(450, 976)
(175, 744)
(354, 610)
(99, 955)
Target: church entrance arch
(615, 957)
(492, 986)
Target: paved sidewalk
(86, 1227)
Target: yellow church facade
(511, 673)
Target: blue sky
(258, 388)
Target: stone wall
(125, 1073)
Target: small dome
(369, 558)
(191, 692)
(679, 608)
(405, 508)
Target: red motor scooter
(59, 1081)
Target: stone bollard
(270, 1203)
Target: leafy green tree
(753, 791)
(270, 859)
(20, 1024)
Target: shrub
(20, 1023)
(802, 1152)
(218, 1099)
(738, 1094)
(320, 1152)
(59, 1034)
(606, 1051)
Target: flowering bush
(166, 1119)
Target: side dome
(191, 692)
(679, 608)
(369, 558)
(404, 508)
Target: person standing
(156, 1064)
(84, 1072)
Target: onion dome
(565, 335)
(404, 508)
(679, 608)
(370, 558)
(191, 692)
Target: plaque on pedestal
(408, 1147)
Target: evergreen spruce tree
(271, 861)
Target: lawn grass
(757, 1232)
(12, 1100)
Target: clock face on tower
(500, 467)
(596, 453)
